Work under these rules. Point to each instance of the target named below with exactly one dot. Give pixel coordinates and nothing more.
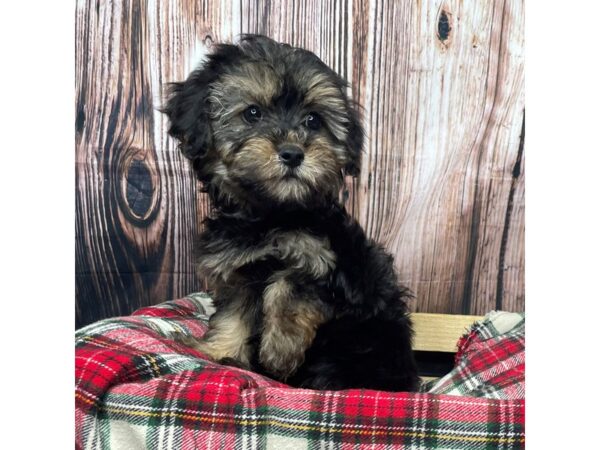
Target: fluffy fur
(301, 294)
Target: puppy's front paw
(185, 339)
(201, 346)
(214, 351)
(280, 355)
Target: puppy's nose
(291, 155)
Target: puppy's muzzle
(291, 155)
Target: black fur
(368, 344)
(363, 334)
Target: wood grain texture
(442, 186)
(138, 206)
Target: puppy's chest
(295, 253)
(304, 253)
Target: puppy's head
(264, 123)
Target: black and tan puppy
(301, 293)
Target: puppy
(301, 294)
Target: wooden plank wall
(442, 187)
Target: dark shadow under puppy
(301, 294)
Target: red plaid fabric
(490, 361)
(138, 389)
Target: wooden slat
(440, 332)
(425, 379)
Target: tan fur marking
(326, 97)
(331, 157)
(292, 137)
(257, 81)
(257, 151)
(289, 327)
(320, 170)
(322, 166)
(313, 80)
(322, 92)
(226, 338)
(290, 189)
(259, 156)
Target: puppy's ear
(188, 106)
(188, 111)
(355, 140)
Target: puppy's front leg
(228, 333)
(290, 323)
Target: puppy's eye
(252, 114)
(312, 121)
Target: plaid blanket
(138, 389)
(490, 361)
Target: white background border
(562, 222)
